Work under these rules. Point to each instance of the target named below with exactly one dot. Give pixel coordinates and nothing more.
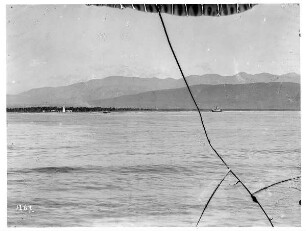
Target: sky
(56, 45)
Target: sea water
(151, 168)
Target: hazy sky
(54, 45)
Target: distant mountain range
(241, 91)
(253, 96)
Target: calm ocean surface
(151, 168)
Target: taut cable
(198, 109)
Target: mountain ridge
(82, 93)
(252, 96)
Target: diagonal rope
(253, 198)
(211, 196)
(279, 182)
(198, 109)
(187, 85)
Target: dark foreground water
(151, 168)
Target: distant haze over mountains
(241, 91)
(252, 96)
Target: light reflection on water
(151, 168)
